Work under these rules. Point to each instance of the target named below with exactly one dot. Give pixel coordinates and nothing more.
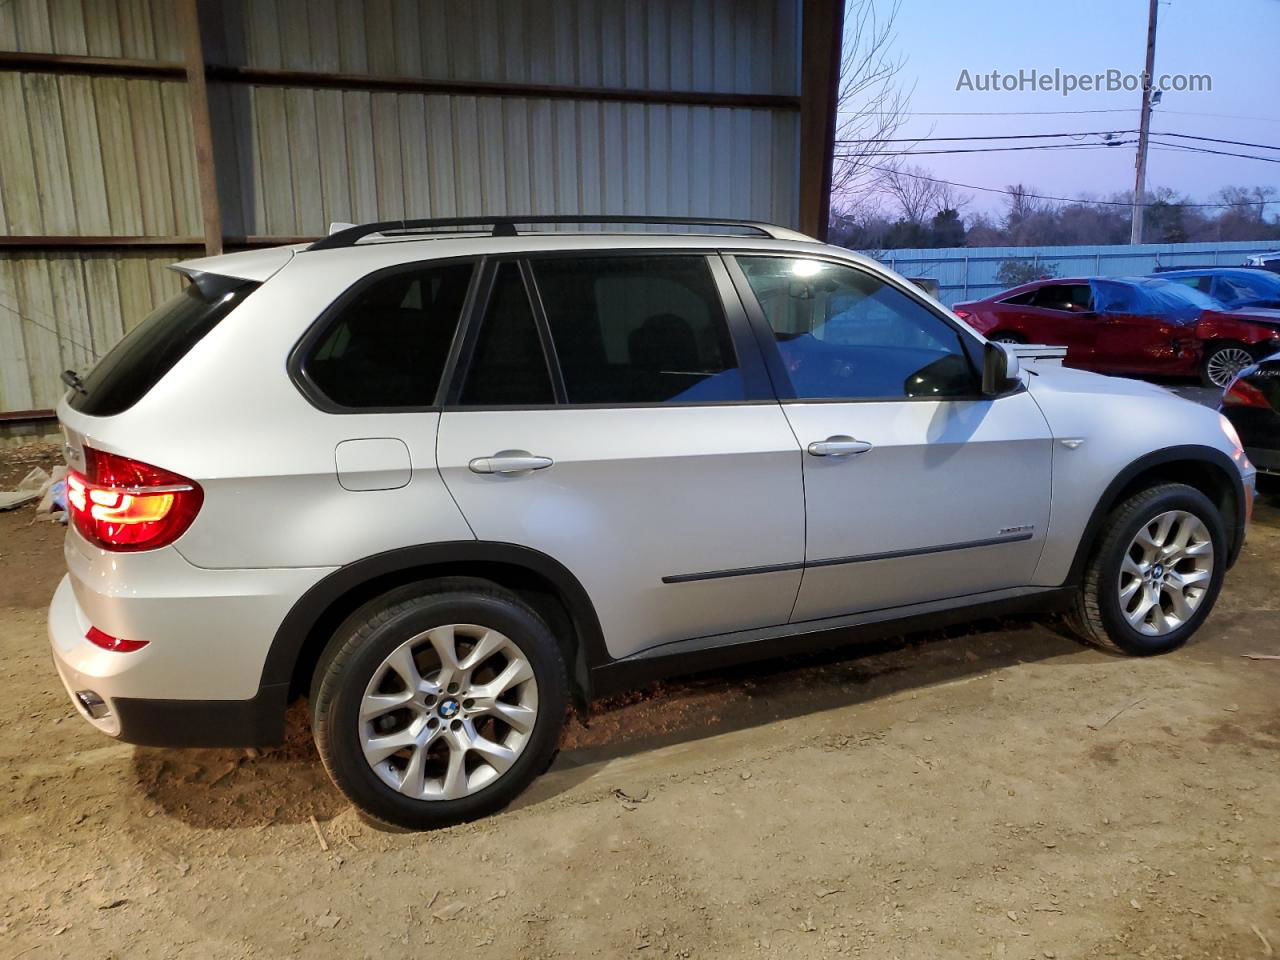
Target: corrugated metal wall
(114, 156)
(61, 310)
(303, 158)
(87, 156)
(306, 158)
(740, 46)
(969, 273)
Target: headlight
(1229, 429)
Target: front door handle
(510, 462)
(838, 446)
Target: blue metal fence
(969, 273)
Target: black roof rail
(505, 226)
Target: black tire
(1211, 351)
(363, 642)
(1096, 613)
(1004, 336)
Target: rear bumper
(197, 681)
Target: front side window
(1067, 297)
(638, 329)
(844, 333)
(388, 344)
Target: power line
(988, 113)
(1043, 146)
(993, 136)
(1057, 113)
(1041, 196)
(1187, 148)
(1236, 143)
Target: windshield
(1178, 299)
(1242, 288)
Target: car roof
(1211, 272)
(373, 254)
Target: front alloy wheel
(1165, 573)
(1154, 572)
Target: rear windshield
(149, 350)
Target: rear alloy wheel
(1005, 338)
(434, 707)
(1222, 361)
(448, 712)
(1155, 573)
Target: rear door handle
(509, 462)
(838, 446)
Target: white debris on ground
(49, 489)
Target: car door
(1133, 335)
(1065, 318)
(612, 411)
(917, 488)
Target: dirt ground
(996, 791)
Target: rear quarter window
(152, 348)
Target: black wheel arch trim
(293, 632)
(1184, 453)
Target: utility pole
(1144, 126)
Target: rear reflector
(123, 504)
(114, 644)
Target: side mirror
(1000, 369)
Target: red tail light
(122, 504)
(962, 314)
(1244, 394)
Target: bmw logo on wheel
(449, 709)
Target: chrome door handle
(838, 446)
(510, 462)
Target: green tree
(1014, 273)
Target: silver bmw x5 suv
(445, 483)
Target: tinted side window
(1072, 297)
(150, 350)
(1021, 299)
(388, 346)
(636, 329)
(844, 333)
(508, 367)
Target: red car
(1134, 325)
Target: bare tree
(1248, 203)
(872, 104)
(915, 194)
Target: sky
(1236, 42)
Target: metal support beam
(822, 34)
(202, 131)
(258, 76)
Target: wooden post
(822, 35)
(202, 130)
(1144, 126)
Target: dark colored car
(1235, 288)
(1252, 404)
(1132, 325)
